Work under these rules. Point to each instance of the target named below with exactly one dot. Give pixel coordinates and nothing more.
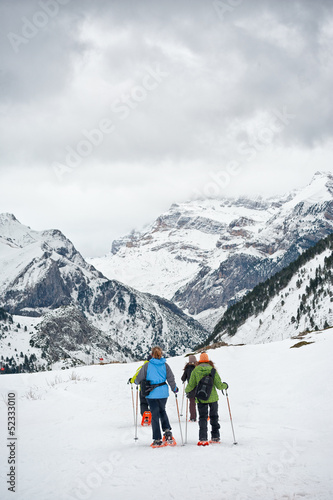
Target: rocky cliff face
(66, 334)
(42, 272)
(241, 272)
(207, 254)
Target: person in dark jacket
(203, 368)
(188, 369)
(158, 372)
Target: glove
(176, 390)
(224, 387)
(129, 380)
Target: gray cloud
(226, 73)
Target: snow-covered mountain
(206, 254)
(41, 271)
(298, 299)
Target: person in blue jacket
(158, 372)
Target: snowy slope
(170, 252)
(41, 272)
(76, 435)
(205, 254)
(278, 320)
(22, 250)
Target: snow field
(76, 433)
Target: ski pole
(136, 413)
(133, 403)
(181, 411)
(232, 427)
(180, 426)
(186, 420)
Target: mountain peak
(321, 173)
(7, 217)
(325, 178)
(318, 191)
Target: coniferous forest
(257, 300)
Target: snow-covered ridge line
(273, 312)
(205, 254)
(41, 273)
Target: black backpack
(205, 386)
(147, 387)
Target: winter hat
(204, 357)
(192, 359)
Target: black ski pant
(214, 420)
(158, 413)
(143, 404)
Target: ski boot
(157, 443)
(168, 439)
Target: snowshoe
(215, 441)
(146, 419)
(157, 443)
(203, 443)
(169, 442)
(168, 439)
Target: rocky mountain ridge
(206, 254)
(42, 273)
(296, 300)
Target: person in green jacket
(203, 368)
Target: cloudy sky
(113, 110)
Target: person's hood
(157, 362)
(204, 368)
